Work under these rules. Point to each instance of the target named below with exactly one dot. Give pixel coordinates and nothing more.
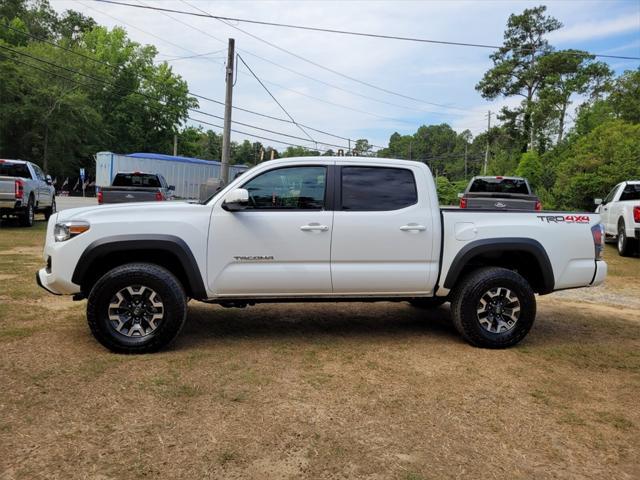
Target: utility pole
(486, 153)
(228, 102)
(466, 145)
(175, 144)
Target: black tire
(480, 285)
(626, 246)
(27, 217)
(50, 210)
(427, 303)
(105, 292)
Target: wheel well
(621, 222)
(523, 262)
(109, 261)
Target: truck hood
(129, 210)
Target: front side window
(612, 194)
(289, 188)
(39, 172)
(377, 188)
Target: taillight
(636, 214)
(100, 198)
(159, 196)
(538, 206)
(463, 203)
(597, 231)
(19, 189)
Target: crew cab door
(384, 233)
(42, 190)
(606, 213)
(280, 244)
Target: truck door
(42, 191)
(384, 231)
(280, 244)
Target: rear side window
(14, 170)
(377, 188)
(136, 180)
(630, 192)
(499, 185)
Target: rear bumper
(10, 204)
(637, 233)
(600, 273)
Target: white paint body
(325, 253)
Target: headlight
(66, 230)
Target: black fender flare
(499, 245)
(127, 243)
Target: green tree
(517, 69)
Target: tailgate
(501, 202)
(7, 188)
(128, 194)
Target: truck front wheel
(136, 308)
(493, 307)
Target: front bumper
(53, 284)
(41, 285)
(600, 273)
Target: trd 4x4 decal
(564, 218)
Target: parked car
(24, 191)
(499, 193)
(620, 211)
(312, 229)
(136, 187)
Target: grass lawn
(335, 391)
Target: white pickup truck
(316, 229)
(620, 212)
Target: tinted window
(612, 193)
(630, 192)
(291, 188)
(377, 188)
(136, 180)
(499, 185)
(14, 170)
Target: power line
(341, 32)
(35, 37)
(274, 98)
(336, 72)
(139, 93)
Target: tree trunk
(563, 112)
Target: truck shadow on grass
(315, 321)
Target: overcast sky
(440, 74)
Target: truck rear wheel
(493, 308)
(136, 308)
(28, 215)
(626, 245)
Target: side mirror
(597, 201)
(48, 179)
(171, 187)
(460, 195)
(235, 200)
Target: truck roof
(2, 160)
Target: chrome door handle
(413, 227)
(314, 227)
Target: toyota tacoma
(316, 229)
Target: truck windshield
(136, 180)
(8, 169)
(499, 185)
